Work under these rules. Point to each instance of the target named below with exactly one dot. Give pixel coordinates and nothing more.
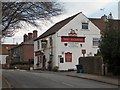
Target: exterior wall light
(65, 44)
(81, 45)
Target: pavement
(114, 80)
(100, 78)
(5, 83)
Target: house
(65, 42)
(4, 52)
(24, 52)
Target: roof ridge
(57, 26)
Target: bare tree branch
(15, 12)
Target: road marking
(68, 84)
(8, 83)
(22, 70)
(54, 80)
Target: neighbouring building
(4, 52)
(65, 42)
(24, 52)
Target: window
(38, 45)
(61, 60)
(50, 41)
(84, 25)
(44, 43)
(96, 41)
(37, 60)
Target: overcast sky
(90, 9)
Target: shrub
(55, 68)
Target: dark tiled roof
(56, 27)
(102, 25)
(99, 23)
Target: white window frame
(85, 25)
(95, 42)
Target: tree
(110, 46)
(15, 12)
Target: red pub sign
(37, 53)
(68, 57)
(72, 39)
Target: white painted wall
(3, 60)
(60, 49)
(74, 24)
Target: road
(25, 79)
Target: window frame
(85, 25)
(68, 57)
(38, 44)
(95, 43)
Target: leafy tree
(110, 45)
(15, 12)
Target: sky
(91, 9)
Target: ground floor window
(61, 60)
(37, 60)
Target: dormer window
(84, 25)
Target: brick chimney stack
(35, 34)
(25, 37)
(29, 36)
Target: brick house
(24, 52)
(4, 52)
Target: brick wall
(28, 52)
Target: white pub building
(68, 40)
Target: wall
(28, 52)
(92, 65)
(3, 61)
(76, 24)
(60, 49)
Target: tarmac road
(24, 79)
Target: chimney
(104, 18)
(29, 36)
(110, 16)
(25, 37)
(35, 34)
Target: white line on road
(68, 84)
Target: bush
(55, 68)
(116, 70)
(49, 62)
(20, 63)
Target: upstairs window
(44, 44)
(38, 45)
(96, 41)
(50, 41)
(84, 25)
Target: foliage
(55, 68)
(110, 45)
(15, 12)
(20, 63)
(50, 61)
